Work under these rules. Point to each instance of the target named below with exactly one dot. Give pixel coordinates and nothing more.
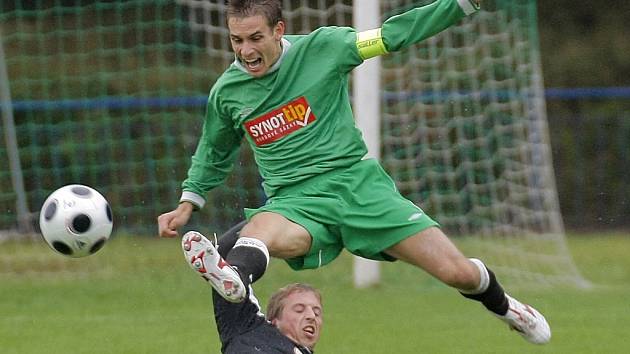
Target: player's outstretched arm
(413, 26)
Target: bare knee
(460, 274)
(432, 251)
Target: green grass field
(138, 296)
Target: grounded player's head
(256, 30)
(296, 310)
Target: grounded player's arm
(214, 158)
(413, 26)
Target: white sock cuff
(254, 243)
(484, 278)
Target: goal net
(464, 134)
(112, 94)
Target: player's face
(256, 45)
(301, 318)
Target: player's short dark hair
(276, 302)
(269, 9)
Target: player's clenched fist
(168, 223)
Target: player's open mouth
(310, 330)
(253, 65)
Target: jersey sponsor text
(280, 122)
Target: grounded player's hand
(168, 223)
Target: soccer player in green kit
(287, 95)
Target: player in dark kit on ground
(294, 313)
(287, 96)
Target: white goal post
(10, 138)
(366, 93)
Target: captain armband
(370, 43)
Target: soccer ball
(76, 220)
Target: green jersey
(297, 118)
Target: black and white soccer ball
(76, 220)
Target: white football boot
(204, 258)
(528, 322)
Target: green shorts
(358, 208)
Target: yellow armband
(370, 43)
